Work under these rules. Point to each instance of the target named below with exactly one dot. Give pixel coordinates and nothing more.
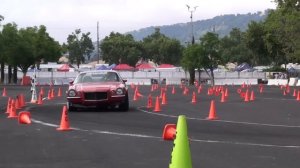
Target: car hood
(93, 87)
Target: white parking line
(155, 137)
(224, 121)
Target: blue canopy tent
(111, 66)
(242, 67)
(102, 67)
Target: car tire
(125, 106)
(71, 108)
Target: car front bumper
(110, 101)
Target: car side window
(87, 79)
(112, 77)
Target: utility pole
(192, 26)
(98, 51)
(192, 71)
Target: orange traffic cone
(173, 90)
(22, 100)
(135, 97)
(150, 104)
(169, 132)
(199, 89)
(17, 103)
(261, 89)
(59, 92)
(24, 117)
(164, 99)
(223, 97)
(139, 94)
(294, 94)
(64, 123)
(42, 91)
(226, 92)
(210, 91)
(246, 96)
(284, 92)
(194, 98)
(13, 112)
(8, 107)
(252, 96)
(298, 96)
(49, 95)
(161, 93)
(243, 85)
(157, 105)
(4, 94)
(287, 88)
(186, 91)
(52, 93)
(40, 99)
(212, 111)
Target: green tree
(162, 49)
(119, 48)
(233, 47)
(47, 49)
(191, 60)
(282, 28)
(10, 39)
(79, 46)
(211, 57)
(2, 63)
(205, 55)
(171, 51)
(26, 47)
(255, 42)
(288, 5)
(2, 60)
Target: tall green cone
(181, 155)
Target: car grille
(95, 96)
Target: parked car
(98, 89)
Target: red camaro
(98, 89)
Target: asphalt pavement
(261, 133)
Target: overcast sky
(62, 17)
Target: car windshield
(95, 77)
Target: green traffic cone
(181, 155)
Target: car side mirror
(71, 82)
(124, 80)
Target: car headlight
(119, 91)
(72, 93)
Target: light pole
(192, 10)
(98, 52)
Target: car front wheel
(71, 107)
(125, 106)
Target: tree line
(24, 48)
(274, 41)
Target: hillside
(182, 31)
(222, 25)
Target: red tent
(166, 66)
(123, 67)
(64, 68)
(144, 66)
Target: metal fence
(144, 77)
